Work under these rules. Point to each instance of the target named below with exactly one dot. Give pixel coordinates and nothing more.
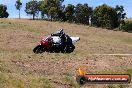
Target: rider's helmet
(60, 31)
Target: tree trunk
(33, 16)
(19, 13)
(51, 18)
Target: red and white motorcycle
(53, 43)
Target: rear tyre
(38, 49)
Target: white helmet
(60, 31)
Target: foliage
(52, 12)
(3, 12)
(32, 8)
(126, 26)
(82, 13)
(102, 16)
(105, 16)
(120, 12)
(43, 8)
(69, 12)
(52, 9)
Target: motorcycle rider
(65, 39)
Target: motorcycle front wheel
(38, 49)
(69, 49)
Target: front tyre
(38, 49)
(69, 49)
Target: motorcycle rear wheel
(38, 49)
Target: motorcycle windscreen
(75, 39)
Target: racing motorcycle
(53, 43)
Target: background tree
(120, 12)
(69, 12)
(82, 13)
(18, 6)
(43, 8)
(61, 15)
(52, 13)
(126, 26)
(105, 16)
(32, 8)
(51, 8)
(3, 12)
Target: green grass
(117, 86)
(12, 81)
(20, 26)
(71, 81)
(5, 67)
(39, 83)
(129, 40)
(6, 80)
(127, 71)
(110, 86)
